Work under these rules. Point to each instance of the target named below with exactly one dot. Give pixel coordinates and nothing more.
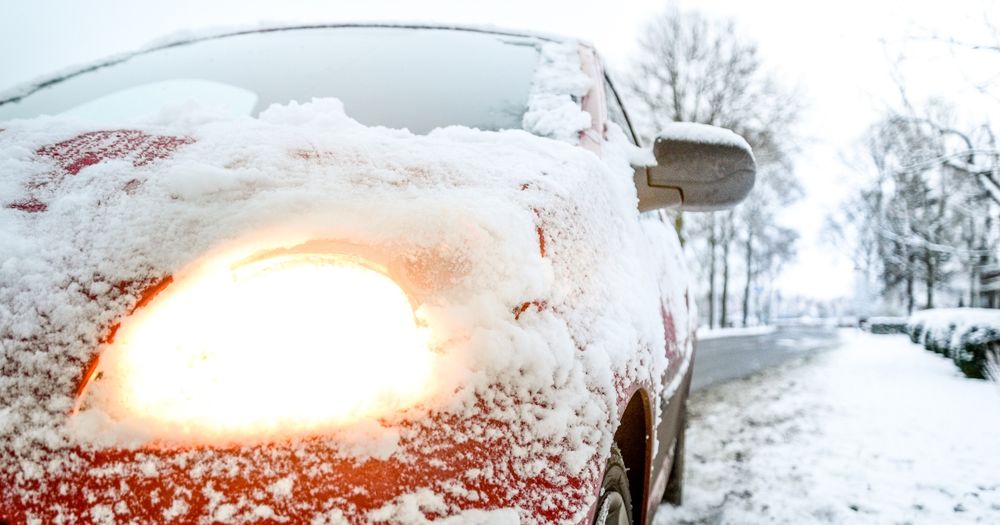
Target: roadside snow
(705, 332)
(877, 431)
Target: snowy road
(723, 359)
(875, 431)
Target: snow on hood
(470, 202)
(535, 292)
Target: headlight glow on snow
(278, 345)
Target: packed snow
(525, 256)
(704, 134)
(877, 431)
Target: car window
(415, 78)
(616, 112)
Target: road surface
(722, 359)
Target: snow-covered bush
(887, 325)
(938, 338)
(969, 336)
(972, 353)
(915, 329)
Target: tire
(615, 504)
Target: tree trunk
(712, 243)
(746, 288)
(973, 261)
(973, 278)
(910, 259)
(931, 277)
(725, 283)
(766, 312)
(679, 227)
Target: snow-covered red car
(439, 287)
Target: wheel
(615, 505)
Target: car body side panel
(673, 420)
(679, 347)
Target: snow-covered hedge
(886, 325)
(969, 336)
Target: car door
(678, 319)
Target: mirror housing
(698, 168)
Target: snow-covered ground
(705, 332)
(877, 431)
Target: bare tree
(925, 218)
(931, 211)
(692, 68)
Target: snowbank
(705, 332)
(526, 261)
(874, 432)
(969, 336)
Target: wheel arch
(633, 438)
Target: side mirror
(698, 167)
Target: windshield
(414, 78)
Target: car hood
(522, 253)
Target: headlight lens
(278, 345)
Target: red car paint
(91, 148)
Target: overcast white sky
(839, 53)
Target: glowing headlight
(286, 344)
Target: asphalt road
(723, 359)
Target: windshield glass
(414, 78)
